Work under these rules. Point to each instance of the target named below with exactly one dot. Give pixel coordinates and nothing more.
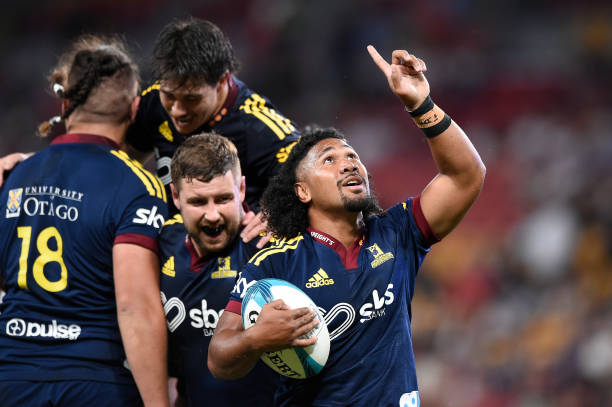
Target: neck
(196, 246)
(115, 132)
(345, 226)
(223, 94)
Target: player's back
(65, 208)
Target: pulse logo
(19, 327)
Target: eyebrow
(344, 145)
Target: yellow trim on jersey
(175, 219)
(256, 105)
(281, 247)
(155, 86)
(404, 206)
(139, 172)
(159, 186)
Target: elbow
(220, 373)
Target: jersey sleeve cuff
(141, 240)
(422, 223)
(234, 306)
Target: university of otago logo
(225, 269)
(13, 205)
(379, 256)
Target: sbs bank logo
(19, 327)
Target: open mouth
(213, 232)
(183, 122)
(352, 181)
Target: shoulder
(261, 117)
(278, 252)
(136, 176)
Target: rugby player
(81, 322)
(357, 263)
(200, 253)
(196, 91)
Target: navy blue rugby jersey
(365, 294)
(61, 212)
(264, 137)
(195, 292)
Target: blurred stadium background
(514, 308)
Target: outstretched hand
(405, 76)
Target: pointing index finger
(378, 60)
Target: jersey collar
(348, 257)
(84, 138)
(229, 102)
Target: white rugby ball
(296, 363)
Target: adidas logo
(168, 268)
(319, 279)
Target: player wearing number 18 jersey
(78, 248)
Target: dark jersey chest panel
(261, 134)
(61, 211)
(195, 293)
(367, 309)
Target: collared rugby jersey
(261, 134)
(195, 292)
(364, 294)
(61, 212)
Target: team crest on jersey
(379, 256)
(225, 269)
(319, 279)
(13, 205)
(168, 268)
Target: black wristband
(425, 107)
(433, 131)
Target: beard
(360, 204)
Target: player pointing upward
(322, 205)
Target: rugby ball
(296, 363)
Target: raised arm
(449, 195)
(141, 320)
(233, 351)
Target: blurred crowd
(514, 308)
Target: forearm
(231, 354)
(457, 159)
(143, 331)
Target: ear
(242, 188)
(302, 191)
(65, 103)
(175, 196)
(223, 80)
(134, 108)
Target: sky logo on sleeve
(13, 205)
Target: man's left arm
(450, 194)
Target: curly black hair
(192, 49)
(287, 216)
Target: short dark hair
(204, 156)
(192, 49)
(287, 216)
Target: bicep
(135, 272)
